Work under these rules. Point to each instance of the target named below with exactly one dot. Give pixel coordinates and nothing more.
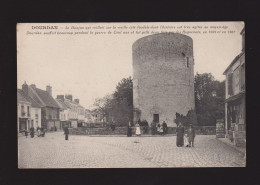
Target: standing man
(66, 132)
(180, 134)
(164, 127)
(191, 135)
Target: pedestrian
(66, 132)
(158, 128)
(153, 127)
(26, 133)
(180, 133)
(55, 128)
(38, 131)
(129, 130)
(32, 132)
(191, 135)
(137, 129)
(164, 127)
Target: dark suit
(66, 132)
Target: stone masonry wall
(163, 77)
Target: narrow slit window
(187, 61)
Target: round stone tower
(163, 77)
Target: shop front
(23, 124)
(236, 125)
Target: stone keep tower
(163, 77)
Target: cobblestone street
(53, 151)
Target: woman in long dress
(137, 129)
(180, 133)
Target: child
(186, 140)
(161, 130)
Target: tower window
(187, 61)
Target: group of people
(40, 132)
(185, 138)
(159, 128)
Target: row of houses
(37, 108)
(235, 109)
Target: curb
(232, 146)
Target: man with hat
(191, 135)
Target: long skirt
(186, 141)
(129, 132)
(138, 131)
(179, 140)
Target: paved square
(53, 151)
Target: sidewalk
(226, 141)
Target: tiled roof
(61, 104)
(232, 63)
(23, 97)
(46, 98)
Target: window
(22, 110)
(243, 77)
(187, 61)
(230, 83)
(28, 110)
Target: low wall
(200, 130)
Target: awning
(235, 97)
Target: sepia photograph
(131, 95)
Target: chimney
(25, 88)
(49, 89)
(33, 86)
(69, 97)
(76, 100)
(60, 97)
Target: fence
(199, 130)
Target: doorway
(156, 118)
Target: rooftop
(24, 97)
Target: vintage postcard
(131, 95)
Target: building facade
(64, 111)
(80, 113)
(163, 77)
(76, 112)
(29, 111)
(235, 114)
(49, 107)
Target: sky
(90, 66)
